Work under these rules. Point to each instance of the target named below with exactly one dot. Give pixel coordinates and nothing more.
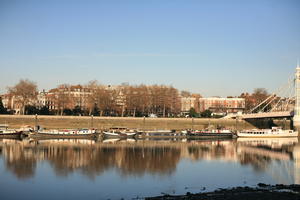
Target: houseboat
(162, 134)
(68, 134)
(267, 133)
(207, 134)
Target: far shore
(54, 121)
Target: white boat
(267, 133)
(54, 133)
(9, 133)
(119, 133)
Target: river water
(133, 169)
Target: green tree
(95, 111)
(206, 114)
(44, 111)
(193, 113)
(77, 111)
(3, 110)
(67, 111)
(31, 110)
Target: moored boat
(160, 134)
(53, 133)
(9, 133)
(26, 130)
(267, 133)
(215, 133)
(119, 132)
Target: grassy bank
(16, 121)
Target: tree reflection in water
(128, 160)
(138, 158)
(19, 162)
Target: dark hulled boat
(207, 134)
(9, 133)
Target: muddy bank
(262, 191)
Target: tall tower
(297, 95)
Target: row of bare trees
(124, 100)
(159, 99)
(98, 99)
(138, 100)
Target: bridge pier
(261, 123)
(267, 123)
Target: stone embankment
(16, 121)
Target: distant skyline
(211, 47)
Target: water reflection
(279, 157)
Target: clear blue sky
(212, 47)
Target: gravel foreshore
(261, 192)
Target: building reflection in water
(278, 157)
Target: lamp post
(35, 122)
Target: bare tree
(25, 92)
(62, 98)
(185, 93)
(91, 99)
(137, 100)
(103, 97)
(164, 100)
(260, 94)
(252, 100)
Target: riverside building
(222, 106)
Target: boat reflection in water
(184, 162)
(273, 155)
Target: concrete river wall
(16, 121)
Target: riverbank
(16, 121)
(262, 191)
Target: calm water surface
(129, 169)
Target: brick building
(189, 102)
(222, 105)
